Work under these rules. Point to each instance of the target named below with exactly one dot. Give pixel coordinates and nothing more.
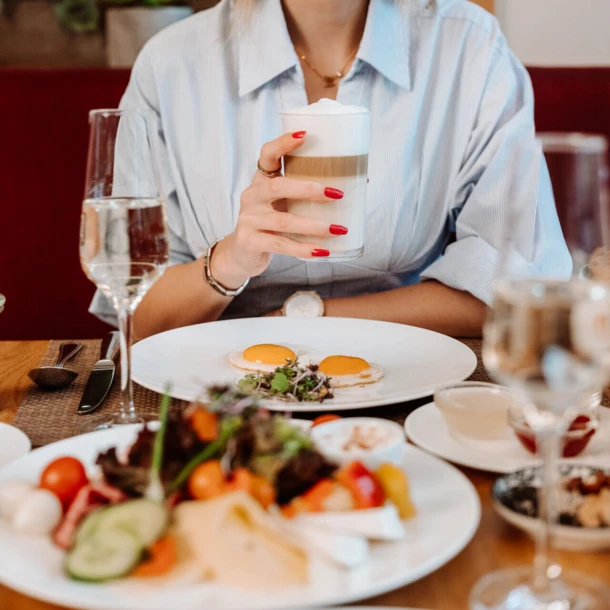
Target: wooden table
(496, 545)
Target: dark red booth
(43, 143)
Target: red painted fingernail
(319, 253)
(337, 230)
(333, 193)
(298, 135)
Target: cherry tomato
(322, 419)
(64, 477)
(205, 425)
(207, 481)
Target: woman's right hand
(263, 220)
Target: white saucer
(426, 428)
(13, 444)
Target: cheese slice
(374, 523)
(345, 550)
(238, 543)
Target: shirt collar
(386, 41)
(265, 49)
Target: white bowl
(475, 412)
(566, 537)
(13, 444)
(329, 437)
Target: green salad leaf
(291, 382)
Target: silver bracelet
(217, 286)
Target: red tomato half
(64, 477)
(364, 486)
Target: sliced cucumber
(89, 525)
(146, 519)
(105, 555)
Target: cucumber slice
(106, 555)
(146, 519)
(89, 525)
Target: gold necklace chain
(329, 80)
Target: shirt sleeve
(503, 175)
(141, 93)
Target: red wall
(43, 143)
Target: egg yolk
(343, 365)
(269, 354)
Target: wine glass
(548, 337)
(124, 239)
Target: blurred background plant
(83, 16)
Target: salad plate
(426, 428)
(448, 514)
(413, 361)
(13, 443)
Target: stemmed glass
(124, 239)
(548, 338)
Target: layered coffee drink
(335, 154)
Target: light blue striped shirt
(452, 145)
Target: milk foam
(333, 129)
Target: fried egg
(348, 371)
(264, 358)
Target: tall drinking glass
(335, 153)
(548, 338)
(124, 239)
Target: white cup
(334, 154)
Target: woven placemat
(47, 417)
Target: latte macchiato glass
(335, 153)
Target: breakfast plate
(13, 444)
(426, 428)
(414, 361)
(448, 516)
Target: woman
(452, 150)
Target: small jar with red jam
(574, 440)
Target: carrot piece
(205, 425)
(163, 556)
(289, 511)
(313, 498)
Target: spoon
(56, 376)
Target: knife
(101, 376)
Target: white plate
(449, 513)
(13, 444)
(427, 429)
(414, 361)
